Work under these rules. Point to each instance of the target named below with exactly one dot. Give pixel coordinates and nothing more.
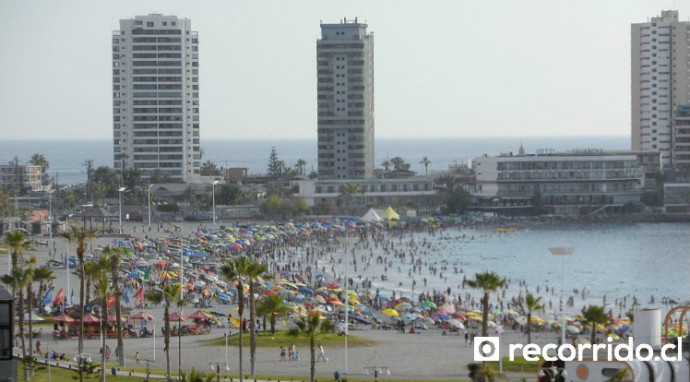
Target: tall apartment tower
(156, 97)
(345, 67)
(660, 81)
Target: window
(149, 24)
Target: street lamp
(50, 220)
(120, 191)
(149, 200)
(377, 369)
(213, 197)
(562, 252)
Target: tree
(594, 315)
(98, 192)
(271, 305)
(209, 168)
(300, 166)
(114, 255)
(538, 203)
(132, 178)
(254, 270)
(235, 270)
(100, 270)
(311, 326)
(17, 280)
(275, 165)
(81, 236)
(447, 182)
(532, 304)
(386, 165)
(488, 282)
(109, 178)
(457, 201)
(230, 194)
(5, 204)
(347, 194)
(488, 374)
(399, 164)
(169, 295)
(17, 243)
(425, 162)
(272, 205)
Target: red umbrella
(270, 291)
(199, 314)
(112, 317)
(459, 315)
(176, 317)
(332, 286)
(91, 319)
(63, 318)
(143, 315)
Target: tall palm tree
(312, 325)
(114, 254)
(18, 244)
(488, 282)
(271, 305)
(17, 280)
(29, 298)
(347, 192)
(425, 162)
(43, 275)
(235, 270)
(169, 295)
(100, 271)
(81, 236)
(532, 304)
(300, 166)
(594, 315)
(254, 270)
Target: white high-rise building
(345, 67)
(156, 97)
(660, 81)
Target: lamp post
(213, 197)
(149, 202)
(50, 221)
(562, 252)
(377, 369)
(120, 191)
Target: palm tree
(17, 280)
(312, 325)
(300, 166)
(488, 282)
(532, 304)
(114, 254)
(254, 270)
(100, 271)
(347, 192)
(426, 162)
(43, 275)
(488, 374)
(271, 305)
(81, 236)
(594, 315)
(169, 295)
(386, 165)
(235, 270)
(18, 244)
(30, 266)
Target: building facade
(21, 178)
(660, 81)
(155, 62)
(345, 101)
(571, 183)
(681, 136)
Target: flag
(47, 298)
(125, 295)
(59, 298)
(71, 298)
(147, 274)
(140, 295)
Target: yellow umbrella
(391, 312)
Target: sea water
(610, 261)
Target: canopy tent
(371, 216)
(390, 214)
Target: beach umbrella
(200, 315)
(269, 291)
(459, 315)
(91, 319)
(455, 323)
(391, 312)
(63, 318)
(177, 317)
(31, 317)
(306, 290)
(429, 304)
(143, 315)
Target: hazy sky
(442, 68)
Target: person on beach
(322, 354)
(282, 354)
(137, 358)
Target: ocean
(66, 157)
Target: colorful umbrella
(391, 312)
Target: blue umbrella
(306, 290)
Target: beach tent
(390, 214)
(371, 216)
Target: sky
(443, 68)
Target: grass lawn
(518, 365)
(282, 338)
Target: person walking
(38, 347)
(137, 358)
(322, 355)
